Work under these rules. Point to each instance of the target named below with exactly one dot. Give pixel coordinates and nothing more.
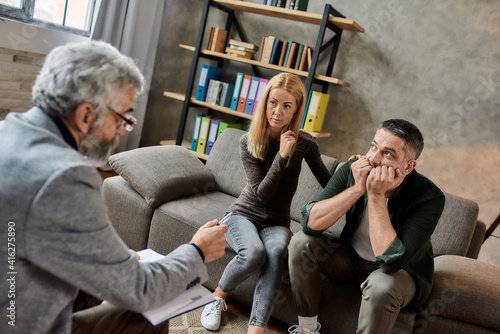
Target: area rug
(189, 323)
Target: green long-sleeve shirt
(414, 210)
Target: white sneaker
(210, 317)
(296, 329)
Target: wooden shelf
(180, 97)
(267, 65)
(289, 14)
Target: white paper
(189, 300)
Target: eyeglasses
(129, 121)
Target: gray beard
(96, 149)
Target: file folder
(252, 93)
(236, 91)
(245, 87)
(306, 109)
(262, 84)
(316, 112)
(207, 73)
(196, 132)
(225, 125)
(202, 139)
(212, 135)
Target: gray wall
(435, 63)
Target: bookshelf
(330, 19)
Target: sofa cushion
(224, 162)
(466, 290)
(163, 173)
(456, 226)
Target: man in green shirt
(391, 212)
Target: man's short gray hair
(414, 141)
(82, 72)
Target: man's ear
(84, 117)
(410, 166)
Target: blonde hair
(259, 130)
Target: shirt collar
(67, 136)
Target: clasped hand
(380, 180)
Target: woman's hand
(287, 141)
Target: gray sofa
(163, 194)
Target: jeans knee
(254, 257)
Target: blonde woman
(272, 153)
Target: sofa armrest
(464, 289)
(477, 240)
(163, 173)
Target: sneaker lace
(296, 329)
(216, 306)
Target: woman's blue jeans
(258, 249)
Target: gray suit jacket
(60, 239)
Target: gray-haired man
(52, 211)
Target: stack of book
(288, 54)
(290, 4)
(241, 49)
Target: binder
(262, 84)
(227, 95)
(212, 135)
(236, 91)
(245, 86)
(252, 93)
(305, 110)
(316, 111)
(223, 125)
(202, 138)
(207, 73)
(196, 132)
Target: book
(303, 60)
(284, 48)
(268, 49)
(287, 54)
(243, 53)
(316, 111)
(276, 53)
(245, 45)
(191, 299)
(217, 39)
(287, 4)
(245, 86)
(292, 55)
(236, 91)
(300, 51)
(301, 5)
(262, 45)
